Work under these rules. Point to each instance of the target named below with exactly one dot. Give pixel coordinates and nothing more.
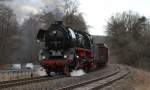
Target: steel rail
(90, 81)
(112, 79)
(12, 83)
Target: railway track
(92, 84)
(11, 83)
(99, 82)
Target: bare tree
(71, 15)
(76, 22)
(8, 34)
(29, 50)
(73, 18)
(128, 37)
(46, 20)
(71, 6)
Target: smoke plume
(23, 9)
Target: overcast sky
(97, 12)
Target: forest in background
(128, 38)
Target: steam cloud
(79, 72)
(41, 71)
(23, 9)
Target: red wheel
(86, 68)
(93, 66)
(48, 72)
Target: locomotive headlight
(77, 56)
(65, 56)
(38, 41)
(43, 57)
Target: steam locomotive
(66, 49)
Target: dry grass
(141, 80)
(138, 79)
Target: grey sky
(97, 12)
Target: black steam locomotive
(67, 49)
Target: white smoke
(79, 72)
(41, 71)
(23, 9)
